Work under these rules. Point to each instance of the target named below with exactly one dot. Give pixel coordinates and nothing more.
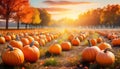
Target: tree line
(21, 11)
(107, 16)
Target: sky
(70, 8)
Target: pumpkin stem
(32, 43)
(17, 38)
(89, 43)
(107, 49)
(11, 48)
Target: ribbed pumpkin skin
(17, 44)
(99, 40)
(13, 58)
(55, 49)
(89, 53)
(75, 42)
(105, 59)
(31, 54)
(104, 45)
(93, 42)
(7, 37)
(25, 41)
(2, 40)
(66, 46)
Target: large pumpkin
(105, 58)
(89, 53)
(13, 56)
(66, 46)
(55, 49)
(31, 52)
(104, 45)
(2, 40)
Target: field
(68, 59)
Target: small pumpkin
(7, 37)
(55, 49)
(31, 52)
(99, 40)
(2, 40)
(75, 41)
(70, 37)
(93, 42)
(30, 38)
(66, 46)
(12, 56)
(25, 41)
(116, 42)
(105, 57)
(104, 45)
(89, 53)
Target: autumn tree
(45, 17)
(9, 8)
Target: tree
(10, 6)
(45, 17)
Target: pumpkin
(25, 41)
(36, 44)
(13, 36)
(55, 49)
(89, 53)
(66, 46)
(16, 43)
(105, 57)
(93, 42)
(75, 41)
(41, 42)
(81, 38)
(30, 38)
(2, 40)
(99, 40)
(12, 56)
(104, 45)
(116, 42)
(31, 52)
(7, 37)
(48, 38)
(70, 37)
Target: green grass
(50, 62)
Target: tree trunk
(7, 21)
(26, 26)
(18, 24)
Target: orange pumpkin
(89, 53)
(116, 42)
(13, 56)
(30, 38)
(99, 40)
(41, 42)
(104, 45)
(13, 36)
(66, 46)
(7, 37)
(31, 52)
(70, 37)
(2, 40)
(25, 41)
(48, 38)
(75, 42)
(105, 58)
(55, 49)
(17, 44)
(93, 42)
(36, 44)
